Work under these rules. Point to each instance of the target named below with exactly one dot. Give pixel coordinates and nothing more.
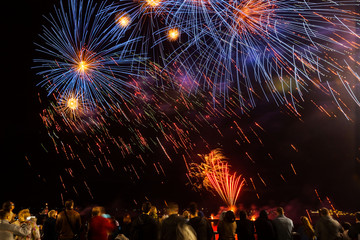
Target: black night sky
(324, 159)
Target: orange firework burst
(72, 105)
(85, 63)
(214, 175)
(82, 66)
(252, 16)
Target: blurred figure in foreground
(283, 225)
(175, 227)
(346, 226)
(49, 228)
(9, 207)
(153, 213)
(144, 227)
(245, 227)
(326, 227)
(227, 227)
(354, 231)
(306, 230)
(68, 222)
(264, 227)
(200, 224)
(125, 225)
(7, 230)
(26, 218)
(100, 225)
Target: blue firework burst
(274, 47)
(143, 19)
(82, 54)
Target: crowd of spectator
(190, 225)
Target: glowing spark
(82, 66)
(72, 103)
(173, 34)
(124, 21)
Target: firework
(215, 176)
(155, 129)
(144, 19)
(168, 124)
(83, 57)
(269, 48)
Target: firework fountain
(213, 174)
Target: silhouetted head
(8, 206)
(172, 208)
(193, 208)
(69, 204)
(229, 216)
(97, 211)
(263, 214)
(280, 211)
(324, 212)
(243, 215)
(52, 214)
(145, 208)
(201, 214)
(4, 215)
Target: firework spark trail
(83, 57)
(144, 19)
(172, 121)
(269, 43)
(167, 155)
(228, 47)
(214, 175)
(226, 185)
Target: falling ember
(318, 196)
(294, 147)
(214, 175)
(308, 214)
(292, 167)
(173, 34)
(124, 21)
